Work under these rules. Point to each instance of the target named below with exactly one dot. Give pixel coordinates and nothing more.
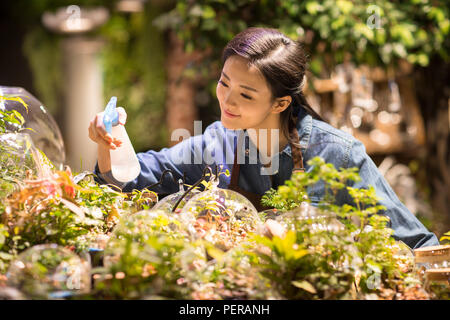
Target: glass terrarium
(49, 271)
(221, 216)
(168, 202)
(137, 228)
(440, 276)
(318, 220)
(270, 214)
(432, 257)
(19, 160)
(8, 293)
(220, 204)
(45, 132)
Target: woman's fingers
(95, 136)
(116, 142)
(122, 115)
(101, 130)
(97, 130)
(100, 127)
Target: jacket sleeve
(184, 157)
(406, 226)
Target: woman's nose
(229, 99)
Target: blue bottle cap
(111, 116)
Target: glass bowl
(49, 271)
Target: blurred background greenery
(162, 62)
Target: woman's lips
(230, 114)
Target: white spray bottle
(124, 163)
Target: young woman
(260, 92)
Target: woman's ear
(280, 104)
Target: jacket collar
(304, 127)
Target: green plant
(231, 275)
(49, 207)
(15, 166)
(148, 268)
(362, 251)
(306, 266)
(327, 252)
(55, 210)
(149, 254)
(11, 117)
(295, 190)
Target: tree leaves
(344, 26)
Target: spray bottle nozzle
(111, 116)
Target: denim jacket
(317, 138)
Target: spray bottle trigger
(110, 116)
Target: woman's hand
(98, 134)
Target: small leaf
(305, 285)
(215, 252)
(5, 256)
(74, 208)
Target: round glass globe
(167, 203)
(18, 157)
(220, 204)
(221, 216)
(45, 134)
(137, 228)
(49, 271)
(318, 220)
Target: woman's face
(244, 96)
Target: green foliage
(14, 166)
(231, 275)
(12, 117)
(413, 30)
(148, 255)
(55, 210)
(361, 251)
(329, 252)
(295, 190)
(44, 56)
(307, 265)
(149, 268)
(52, 208)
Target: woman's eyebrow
(242, 86)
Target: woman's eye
(223, 83)
(242, 94)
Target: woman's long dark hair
(282, 61)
